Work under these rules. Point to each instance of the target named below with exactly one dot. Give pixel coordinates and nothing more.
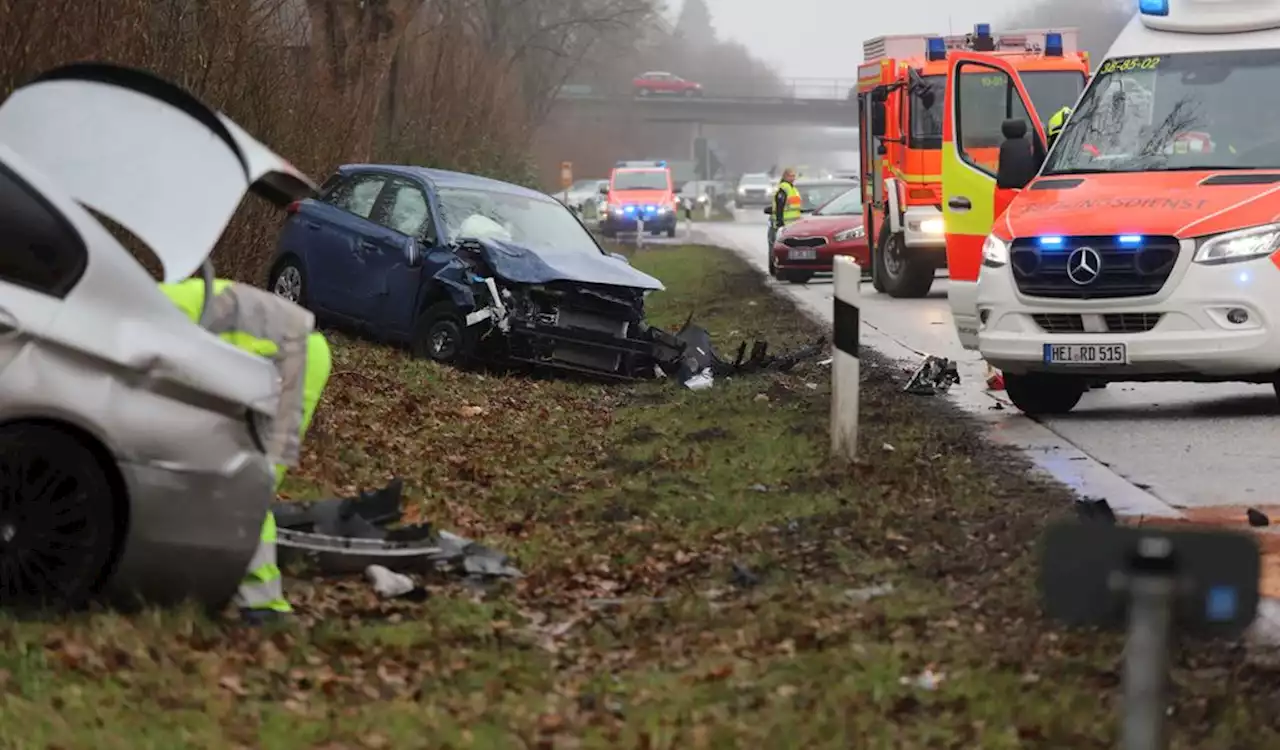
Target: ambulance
(1143, 245)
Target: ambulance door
(982, 92)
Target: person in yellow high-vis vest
(786, 205)
(261, 323)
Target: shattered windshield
(1050, 91)
(848, 203)
(641, 179)
(1185, 111)
(522, 220)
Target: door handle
(8, 323)
(959, 203)
(367, 247)
(312, 225)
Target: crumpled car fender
(450, 278)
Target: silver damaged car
(132, 462)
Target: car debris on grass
(627, 507)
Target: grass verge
(699, 575)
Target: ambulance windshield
(1050, 90)
(1184, 111)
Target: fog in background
(813, 39)
(823, 38)
(755, 48)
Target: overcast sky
(823, 38)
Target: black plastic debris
(1257, 518)
(700, 362)
(1095, 510)
(343, 536)
(935, 376)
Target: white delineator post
(844, 358)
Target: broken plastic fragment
(934, 376)
(388, 584)
(700, 382)
(868, 593)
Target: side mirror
(621, 257)
(604, 189)
(413, 253)
(877, 118)
(768, 210)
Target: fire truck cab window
(989, 98)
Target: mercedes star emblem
(1084, 265)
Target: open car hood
(522, 265)
(147, 155)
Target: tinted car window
(408, 213)
(42, 250)
(847, 204)
(641, 179)
(358, 194)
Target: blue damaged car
(463, 268)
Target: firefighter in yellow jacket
(271, 327)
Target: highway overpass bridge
(794, 103)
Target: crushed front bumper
(191, 534)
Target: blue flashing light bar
(1053, 44)
(982, 29)
(937, 49)
(1130, 239)
(1051, 242)
(1153, 7)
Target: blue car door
(340, 224)
(392, 259)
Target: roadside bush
(321, 81)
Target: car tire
(65, 496)
(608, 233)
(441, 335)
(288, 280)
(671, 232)
(908, 275)
(1041, 394)
(773, 265)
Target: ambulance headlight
(995, 252)
(1241, 245)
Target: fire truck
(900, 92)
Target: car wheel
(773, 265)
(904, 274)
(671, 231)
(608, 233)
(1037, 393)
(58, 523)
(288, 281)
(441, 335)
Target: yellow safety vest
(791, 211)
(1057, 121)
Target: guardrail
(727, 88)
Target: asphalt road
(1184, 444)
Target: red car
(657, 82)
(808, 246)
